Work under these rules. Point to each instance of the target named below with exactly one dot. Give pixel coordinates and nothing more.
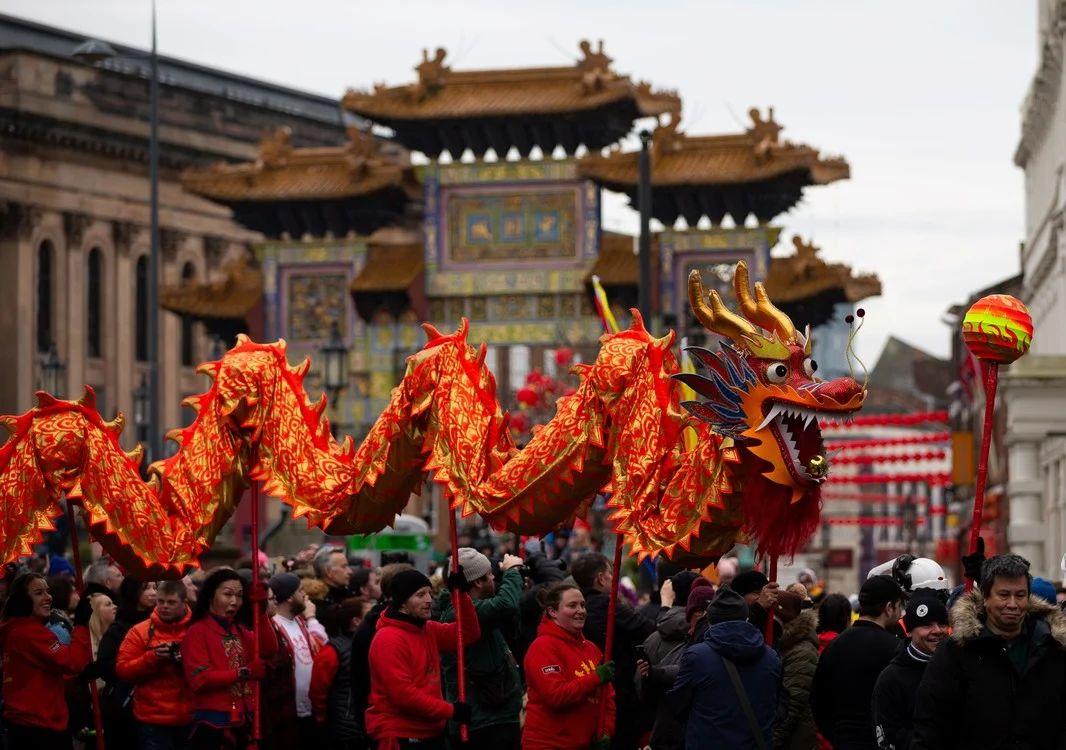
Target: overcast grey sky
(921, 97)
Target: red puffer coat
(564, 691)
(405, 688)
(212, 654)
(34, 665)
(162, 695)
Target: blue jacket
(704, 694)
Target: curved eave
(230, 299)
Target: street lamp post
(644, 204)
(93, 51)
(52, 369)
(334, 364)
(141, 407)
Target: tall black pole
(644, 201)
(155, 448)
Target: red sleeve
(136, 661)
(391, 674)
(445, 632)
(322, 674)
(41, 647)
(202, 674)
(544, 673)
(268, 640)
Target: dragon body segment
(751, 476)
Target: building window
(45, 259)
(518, 366)
(140, 316)
(95, 313)
(188, 333)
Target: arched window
(45, 331)
(140, 312)
(188, 336)
(94, 318)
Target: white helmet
(912, 573)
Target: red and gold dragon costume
(754, 474)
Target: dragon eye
(777, 372)
(810, 367)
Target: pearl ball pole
(997, 329)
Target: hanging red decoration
(564, 355)
(936, 479)
(891, 458)
(869, 521)
(527, 396)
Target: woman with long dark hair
(217, 658)
(35, 665)
(834, 616)
(565, 678)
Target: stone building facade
(74, 208)
(1034, 389)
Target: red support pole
(771, 573)
(257, 618)
(94, 693)
(460, 656)
(608, 644)
(991, 373)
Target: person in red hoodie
(150, 659)
(565, 679)
(407, 708)
(217, 658)
(35, 665)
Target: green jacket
(493, 687)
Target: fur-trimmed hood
(803, 628)
(967, 617)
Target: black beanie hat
(877, 591)
(925, 610)
(728, 605)
(749, 582)
(284, 585)
(682, 583)
(404, 585)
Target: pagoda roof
(447, 110)
(395, 260)
(754, 172)
(357, 186)
(803, 285)
(231, 297)
(808, 289)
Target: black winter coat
(630, 628)
(844, 684)
(971, 676)
(798, 647)
(894, 697)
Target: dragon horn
(716, 317)
(761, 310)
(88, 398)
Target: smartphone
(640, 652)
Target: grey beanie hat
(473, 564)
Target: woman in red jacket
(565, 679)
(35, 663)
(407, 707)
(217, 658)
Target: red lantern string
(872, 497)
(938, 479)
(889, 458)
(887, 420)
(847, 445)
(868, 521)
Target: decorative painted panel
(714, 252)
(513, 226)
(314, 302)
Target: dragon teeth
(774, 411)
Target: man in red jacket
(150, 659)
(407, 709)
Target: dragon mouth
(799, 437)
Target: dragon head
(762, 388)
